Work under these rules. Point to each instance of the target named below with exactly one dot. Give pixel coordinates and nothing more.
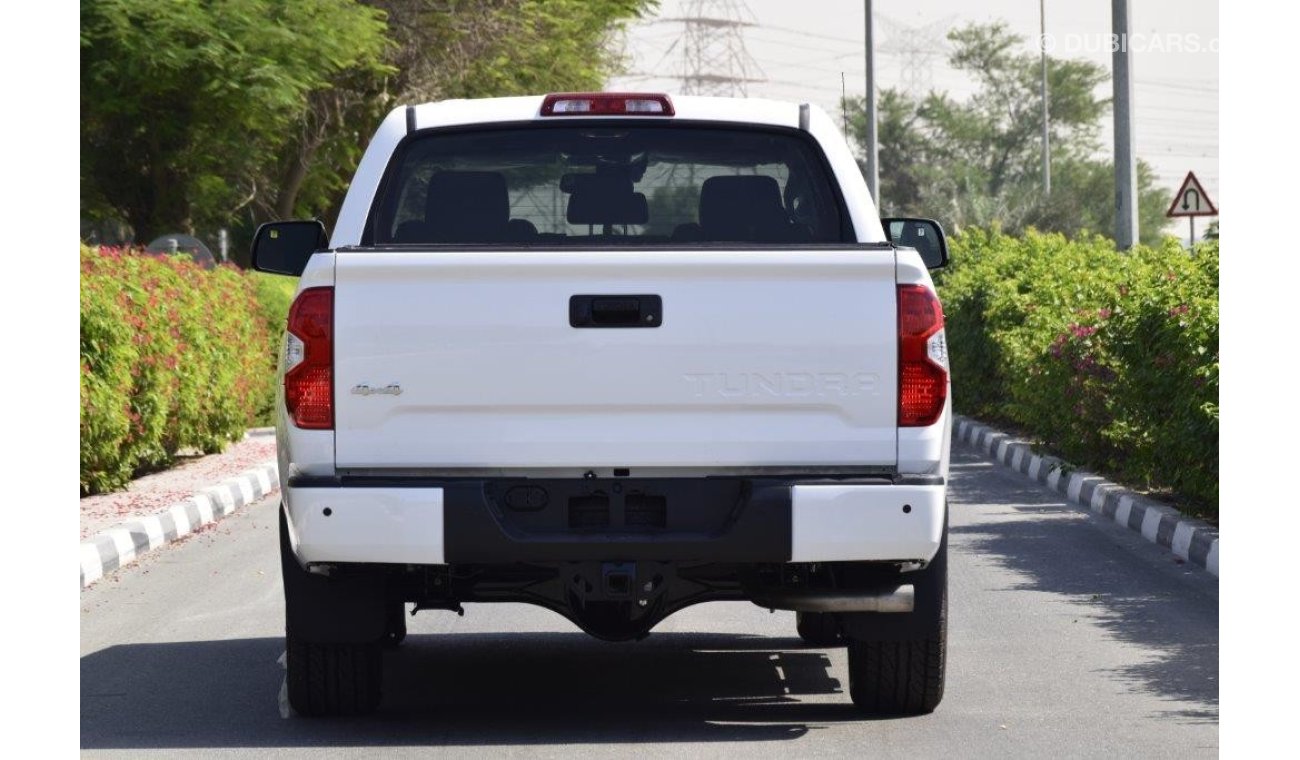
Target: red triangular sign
(1192, 200)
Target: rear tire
(326, 678)
(819, 629)
(897, 677)
(902, 671)
(333, 679)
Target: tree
(452, 49)
(978, 161)
(186, 105)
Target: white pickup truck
(612, 354)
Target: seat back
(742, 208)
(466, 206)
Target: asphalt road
(1068, 638)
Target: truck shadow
(1172, 616)
(469, 689)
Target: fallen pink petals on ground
(153, 493)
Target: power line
(1179, 88)
(801, 33)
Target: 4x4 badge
(392, 389)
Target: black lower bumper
(670, 519)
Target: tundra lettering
(780, 384)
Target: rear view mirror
(285, 247)
(925, 235)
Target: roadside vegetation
(1109, 358)
(174, 357)
(977, 162)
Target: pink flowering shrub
(1109, 358)
(173, 357)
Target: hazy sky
(801, 47)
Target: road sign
(1191, 200)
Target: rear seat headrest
(605, 199)
(467, 205)
(733, 207)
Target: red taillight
(922, 357)
(607, 104)
(309, 377)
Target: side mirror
(925, 235)
(285, 247)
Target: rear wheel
(898, 677)
(326, 677)
(333, 679)
(819, 629)
(900, 670)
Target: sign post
(1191, 201)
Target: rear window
(608, 185)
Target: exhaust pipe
(898, 599)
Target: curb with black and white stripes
(106, 551)
(1191, 540)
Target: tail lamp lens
(922, 357)
(309, 377)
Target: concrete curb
(1191, 540)
(108, 550)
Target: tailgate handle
(616, 311)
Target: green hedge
(274, 296)
(173, 357)
(1109, 358)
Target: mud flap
(347, 607)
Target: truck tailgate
(759, 357)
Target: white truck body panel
(763, 358)
(401, 525)
(855, 523)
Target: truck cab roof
(446, 113)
